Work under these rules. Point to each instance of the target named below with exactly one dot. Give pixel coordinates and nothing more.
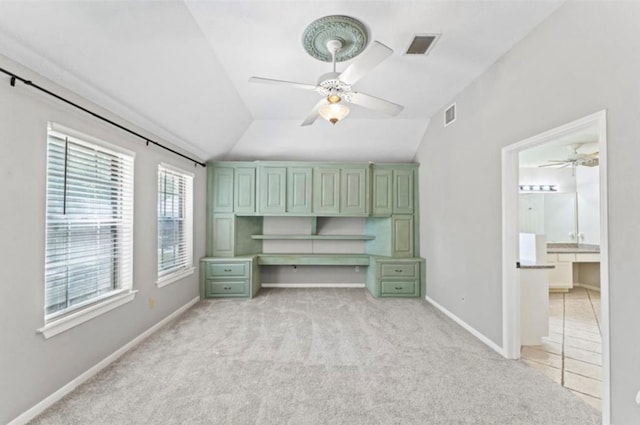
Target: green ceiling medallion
(349, 31)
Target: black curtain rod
(15, 77)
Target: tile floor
(572, 353)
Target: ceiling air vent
(421, 44)
(450, 115)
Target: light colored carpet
(317, 356)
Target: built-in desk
(240, 276)
(313, 259)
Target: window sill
(174, 277)
(86, 314)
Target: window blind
(175, 221)
(89, 223)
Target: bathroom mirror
(551, 214)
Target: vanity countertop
(569, 248)
(526, 265)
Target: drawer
(566, 257)
(235, 287)
(588, 257)
(398, 287)
(216, 270)
(399, 269)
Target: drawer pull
(398, 288)
(398, 270)
(227, 270)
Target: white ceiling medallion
(348, 31)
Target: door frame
(510, 241)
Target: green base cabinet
(394, 277)
(229, 277)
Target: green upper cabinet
(273, 190)
(403, 191)
(223, 189)
(299, 190)
(245, 190)
(381, 205)
(326, 191)
(353, 191)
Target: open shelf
(316, 237)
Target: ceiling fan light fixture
(334, 98)
(333, 112)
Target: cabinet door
(402, 238)
(245, 190)
(403, 191)
(353, 191)
(299, 190)
(326, 189)
(223, 235)
(222, 189)
(273, 190)
(382, 192)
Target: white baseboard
(312, 285)
(593, 288)
(75, 383)
(466, 326)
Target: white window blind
(89, 224)
(175, 223)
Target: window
(175, 224)
(89, 224)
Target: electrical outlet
(152, 302)
(638, 398)
(357, 269)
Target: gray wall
(32, 368)
(582, 59)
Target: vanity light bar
(538, 188)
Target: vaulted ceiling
(180, 69)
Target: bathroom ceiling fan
(575, 158)
(338, 38)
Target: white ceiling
(180, 69)
(583, 141)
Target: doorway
(512, 274)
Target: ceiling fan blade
(375, 103)
(313, 115)
(365, 63)
(282, 83)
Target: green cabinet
(402, 236)
(354, 190)
(393, 189)
(245, 190)
(223, 278)
(391, 277)
(326, 191)
(223, 235)
(231, 235)
(382, 193)
(273, 190)
(221, 180)
(299, 190)
(403, 191)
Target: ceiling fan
(337, 38)
(575, 158)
